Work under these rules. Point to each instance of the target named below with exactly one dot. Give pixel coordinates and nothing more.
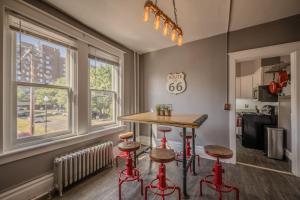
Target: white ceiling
(122, 20)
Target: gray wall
(204, 62)
(24, 170)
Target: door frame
(292, 49)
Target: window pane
(100, 75)
(41, 111)
(102, 107)
(40, 61)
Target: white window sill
(26, 152)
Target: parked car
(39, 119)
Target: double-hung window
(41, 82)
(103, 88)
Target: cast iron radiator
(75, 166)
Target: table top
(178, 120)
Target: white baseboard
(288, 154)
(177, 146)
(31, 190)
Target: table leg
(151, 136)
(134, 139)
(184, 168)
(150, 162)
(194, 151)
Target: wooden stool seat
(126, 136)
(162, 155)
(129, 146)
(218, 151)
(188, 135)
(164, 129)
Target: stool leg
(120, 189)
(188, 148)
(116, 159)
(237, 193)
(220, 195)
(164, 142)
(146, 190)
(162, 176)
(142, 186)
(201, 182)
(218, 173)
(179, 192)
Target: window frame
(83, 39)
(116, 91)
(11, 141)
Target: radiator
(75, 166)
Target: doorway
(263, 112)
(291, 54)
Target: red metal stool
(124, 137)
(215, 181)
(162, 186)
(188, 136)
(129, 173)
(164, 130)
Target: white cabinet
(257, 78)
(246, 86)
(249, 77)
(238, 87)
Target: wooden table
(177, 120)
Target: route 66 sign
(176, 83)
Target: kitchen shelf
(284, 97)
(277, 67)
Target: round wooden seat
(126, 136)
(188, 135)
(129, 146)
(218, 151)
(162, 155)
(164, 129)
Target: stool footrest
(222, 188)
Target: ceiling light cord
(175, 12)
(227, 49)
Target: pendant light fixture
(168, 24)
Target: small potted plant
(158, 109)
(168, 111)
(162, 110)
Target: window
(47, 97)
(104, 90)
(42, 83)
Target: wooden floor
(253, 184)
(257, 157)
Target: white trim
(54, 145)
(31, 190)
(292, 49)
(264, 168)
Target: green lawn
(54, 123)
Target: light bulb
(166, 28)
(173, 36)
(157, 21)
(179, 42)
(146, 14)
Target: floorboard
(257, 157)
(253, 184)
